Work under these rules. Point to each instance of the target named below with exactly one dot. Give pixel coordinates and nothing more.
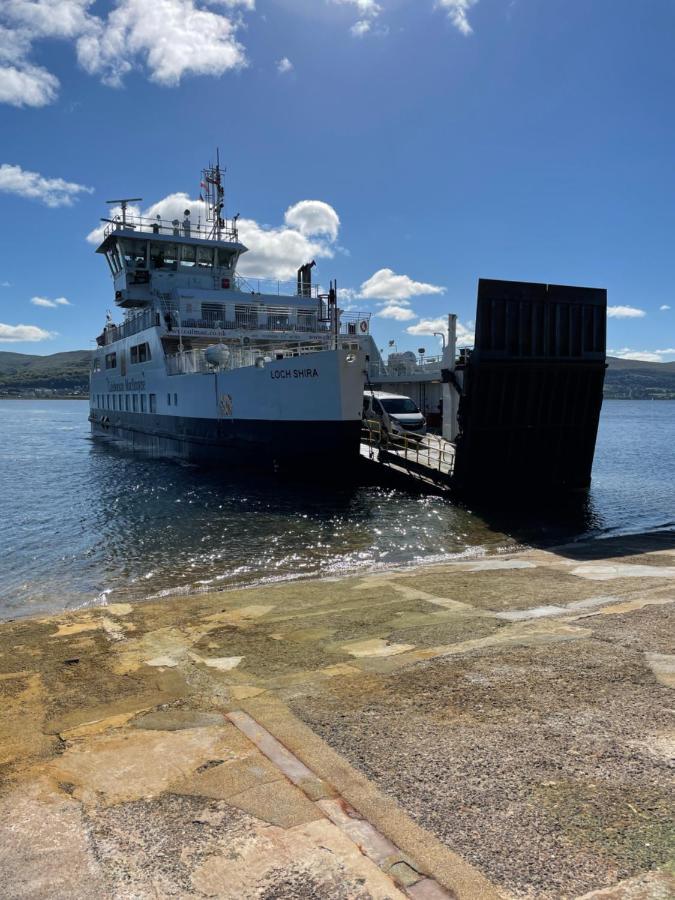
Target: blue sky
(439, 140)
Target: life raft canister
(363, 325)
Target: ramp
(532, 389)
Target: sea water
(83, 522)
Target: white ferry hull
(299, 412)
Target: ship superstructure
(210, 366)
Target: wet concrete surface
(487, 728)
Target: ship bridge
(150, 256)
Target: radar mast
(214, 198)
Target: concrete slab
(278, 803)
(516, 743)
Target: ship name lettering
(294, 373)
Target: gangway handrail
(428, 451)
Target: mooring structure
(521, 410)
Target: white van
(395, 413)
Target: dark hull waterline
(247, 443)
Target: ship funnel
(305, 279)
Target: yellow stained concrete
(108, 715)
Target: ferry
(211, 367)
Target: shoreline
(169, 595)
(256, 723)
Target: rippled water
(82, 521)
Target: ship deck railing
(250, 285)
(144, 225)
(427, 455)
(425, 365)
(260, 318)
(195, 362)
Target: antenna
(214, 197)
(123, 203)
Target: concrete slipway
(489, 728)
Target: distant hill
(636, 380)
(63, 373)
(68, 374)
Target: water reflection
(82, 520)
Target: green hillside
(66, 373)
(636, 380)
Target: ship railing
(260, 318)
(249, 285)
(111, 333)
(424, 365)
(427, 451)
(276, 319)
(195, 362)
(174, 227)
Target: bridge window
(134, 254)
(188, 255)
(205, 257)
(113, 258)
(170, 254)
(111, 360)
(96, 364)
(157, 255)
(153, 403)
(225, 258)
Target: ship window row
(139, 353)
(129, 402)
(219, 315)
(134, 255)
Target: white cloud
(367, 10)
(664, 307)
(177, 39)
(10, 334)
(385, 284)
(277, 252)
(465, 333)
(50, 304)
(363, 7)
(625, 312)
(457, 11)
(174, 39)
(313, 217)
(48, 18)
(27, 86)
(394, 311)
(346, 298)
(284, 65)
(310, 231)
(644, 355)
(50, 191)
(360, 28)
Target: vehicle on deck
(396, 414)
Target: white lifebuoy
(363, 325)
